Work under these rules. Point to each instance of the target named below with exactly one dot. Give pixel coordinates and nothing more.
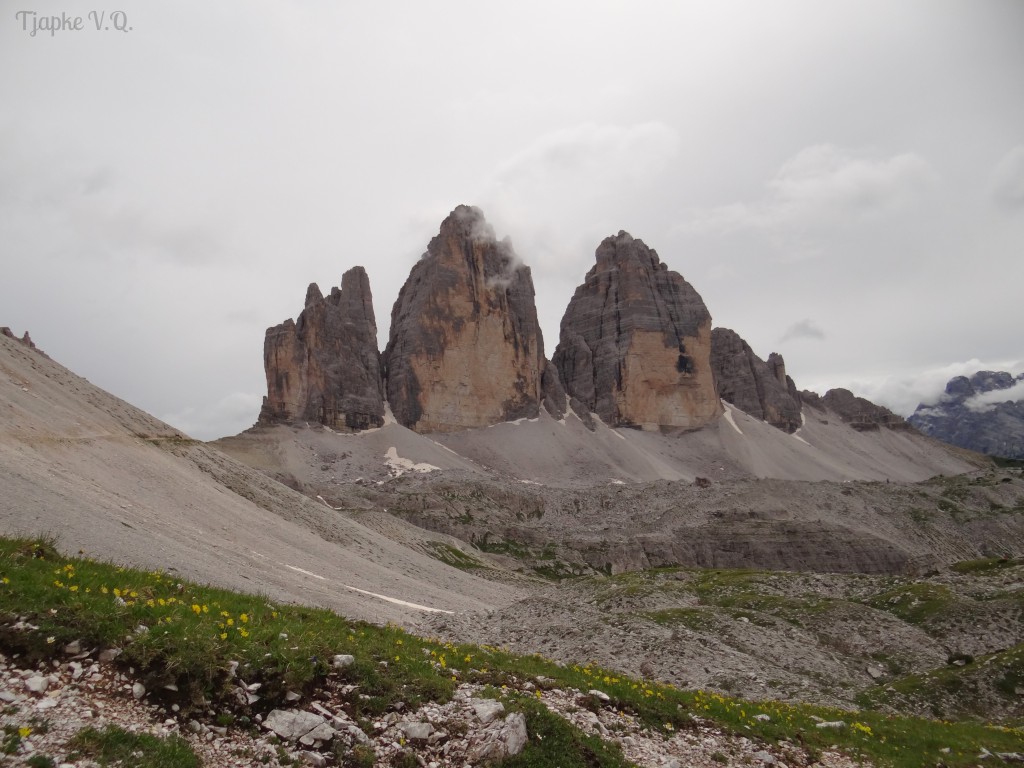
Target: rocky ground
(46, 707)
(839, 639)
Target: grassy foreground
(191, 637)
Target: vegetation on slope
(192, 637)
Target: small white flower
(51, 640)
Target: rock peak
(761, 389)
(465, 348)
(325, 367)
(635, 342)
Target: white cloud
(821, 189)
(984, 401)
(1008, 178)
(591, 150)
(903, 393)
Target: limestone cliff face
(465, 349)
(759, 388)
(635, 342)
(326, 367)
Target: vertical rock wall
(326, 367)
(465, 349)
(635, 342)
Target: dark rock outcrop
(761, 389)
(990, 424)
(856, 412)
(26, 340)
(325, 367)
(635, 342)
(465, 347)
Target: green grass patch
(794, 610)
(915, 603)
(554, 743)
(697, 619)
(957, 691)
(454, 556)
(986, 565)
(114, 746)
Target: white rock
(292, 724)
(831, 724)
(487, 709)
(875, 673)
(514, 733)
(600, 695)
(37, 684)
(342, 660)
(417, 731)
(138, 690)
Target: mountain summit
(984, 413)
(635, 342)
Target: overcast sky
(842, 182)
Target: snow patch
(305, 572)
(729, 418)
(516, 422)
(613, 481)
(396, 601)
(399, 466)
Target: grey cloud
(211, 420)
(803, 329)
(820, 189)
(1008, 179)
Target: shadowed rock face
(465, 348)
(635, 342)
(861, 414)
(326, 367)
(759, 388)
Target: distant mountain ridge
(973, 414)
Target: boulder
(465, 348)
(635, 342)
(296, 725)
(761, 389)
(325, 367)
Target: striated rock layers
(325, 367)
(984, 413)
(465, 348)
(759, 388)
(856, 412)
(635, 342)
